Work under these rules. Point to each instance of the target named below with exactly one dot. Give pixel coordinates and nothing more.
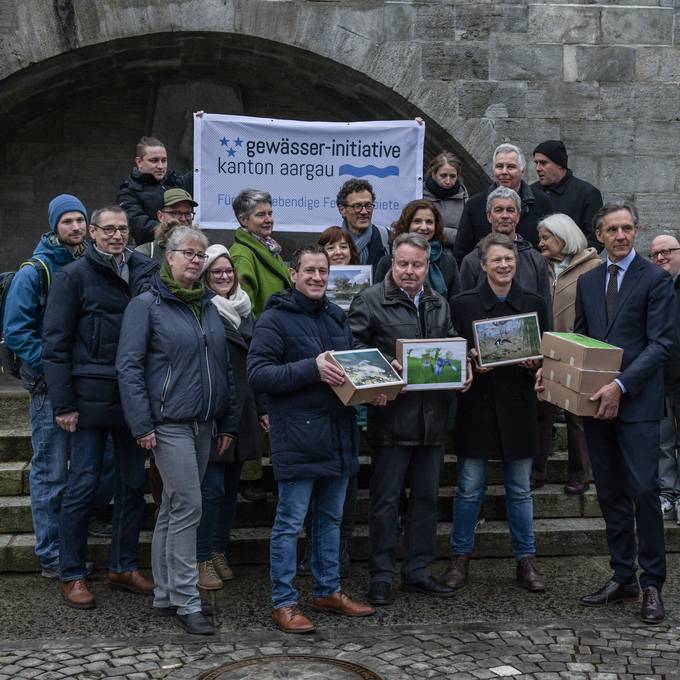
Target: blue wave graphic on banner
(362, 171)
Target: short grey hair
(503, 192)
(415, 240)
(180, 235)
(615, 206)
(510, 148)
(566, 230)
(247, 200)
(494, 239)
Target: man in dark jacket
(568, 194)
(408, 435)
(82, 326)
(508, 169)
(141, 194)
(314, 437)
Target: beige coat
(564, 288)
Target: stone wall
(81, 81)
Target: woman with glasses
(177, 392)
(221, 481)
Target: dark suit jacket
(643, 326)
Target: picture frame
(433, 363)
(507, 340)
(346, 281)
(367, 374)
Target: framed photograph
(433, 363)
(346, 281)
(367, 374)
(507, 339)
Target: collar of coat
(561, 186)
(394, 295)
(489, 299)
(273, 263)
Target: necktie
(612, 290)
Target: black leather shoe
(652, 606)
(612, 592)
(195, 624)
(380, 593)
(206, 610)
(429, 586)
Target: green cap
(173, 196)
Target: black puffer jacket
(141, 196)
(379, 316)
(82, 326)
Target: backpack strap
(45, 277)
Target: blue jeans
(219, 491)
(47, 478)
(518, 502)
(83, 479)
(294, 497)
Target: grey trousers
(181, 455)
(669, 460)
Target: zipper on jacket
(207, 366)
(166, 384)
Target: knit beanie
(213, 252)
(62, 204)
(555, 151)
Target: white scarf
(234, 308)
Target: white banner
(303, 165)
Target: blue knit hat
(62, 204)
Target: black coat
(474, 225)
(312, 434)
(671, 371)
(578, 199)
(82, 326)
(379, 316)
(496, 417)
(141, 196)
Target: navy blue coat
(312, 434)
(643, 326)
(81, 330)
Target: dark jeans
(392, 467)
(87, 454)
(219, 492)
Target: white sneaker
(667, 508)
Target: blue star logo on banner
(231, 145)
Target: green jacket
(260, 273)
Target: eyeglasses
(358, 207)
(191, 254)
(177, 214)
(110, 229)
(221, 273)
(662, 253)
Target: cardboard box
(577, 379)
(567, 399)
(367, 374)
(580, 351)
(435, 363)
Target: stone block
(584, 167)
(598, 137)
(12, 478)
(397, 65)
(659, 101)
(525, 133)
(478, 21)
(562, 100)
(435, 22)
(491, 99)
(617, 101)
(520, 61)
(631, 25)
(605, 63)
(564, 24)
(451, 61)
(655, 175)
(398, 22)
(657, 137)
(658, 210)
(657, 63)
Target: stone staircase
(564, 525)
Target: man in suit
(628, 302)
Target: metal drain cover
(284, 667)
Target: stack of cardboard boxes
(574, 368)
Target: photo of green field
(432, 366)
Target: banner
(303, 165)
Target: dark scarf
(434, 276)
(191, 297)
(440, 192)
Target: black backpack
(9, 361)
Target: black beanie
(555, 150)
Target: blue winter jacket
(23, 320)
(171, 368)
(312, 434)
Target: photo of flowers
(433, 364)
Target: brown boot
(77, 594)
(133, 581)
(291, 620)
(456, 573)
(529, 575)
(207, 576)
(339, 603)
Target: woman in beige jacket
(564, 246)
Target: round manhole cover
(284, 667)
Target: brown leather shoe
(339, 603)
(291, 620)
(132, 581)
(77, 595)
(529, 575)
(456, 573)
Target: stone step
(554, 538)
(14, 402)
